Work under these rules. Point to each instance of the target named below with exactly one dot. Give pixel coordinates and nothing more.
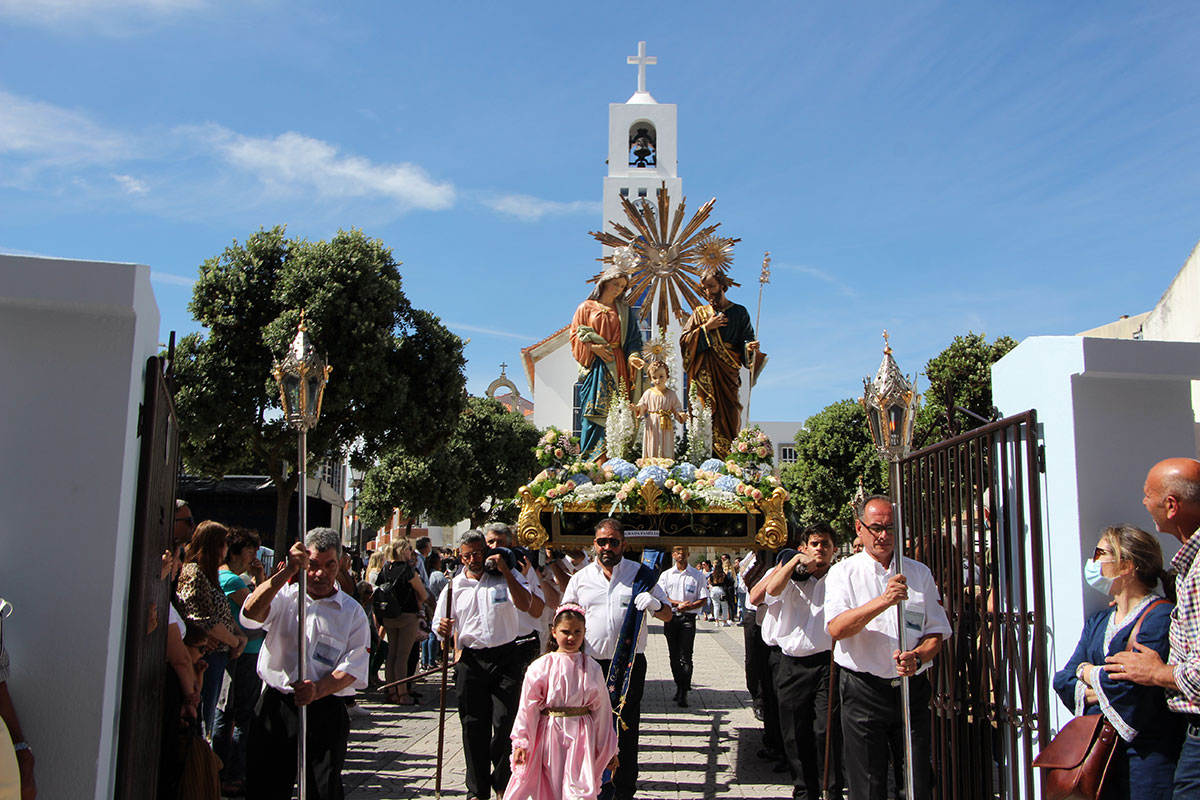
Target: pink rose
(742, 447)
(570, 485)
(558, 452)
(685, 495)
(621, 496)
(762, 452)
(757, 495)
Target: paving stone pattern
(705, 751)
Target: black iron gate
(145, 649)
(972, 513)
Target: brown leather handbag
(1077, 759)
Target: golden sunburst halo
(664, 257)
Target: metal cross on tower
(642, 60)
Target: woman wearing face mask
(1126, 566)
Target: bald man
(1172, 496)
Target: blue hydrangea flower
(684, 472)
(713, 465)
(727, 483)
(652, 473)
(580, 479)
(621, 469)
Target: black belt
(496, 649)
(875, 680)
(812, 658)
(1193, 724)
(526, 639)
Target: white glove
(647, 602)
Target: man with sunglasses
(605, 589)
(860, 595)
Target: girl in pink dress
(661, 407)
(563, 737)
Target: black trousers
(681, 641)
(772, 731)
(488, 683)
(625, 778)
(271, 749)
(529, 647)
(873, 729)
(803, 687)
(755, 655)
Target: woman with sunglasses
(1126, 566)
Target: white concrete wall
(553, 383)
(1108, 410)
(74, 338)
(1176, 318)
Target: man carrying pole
(858, 592)
(337, 637)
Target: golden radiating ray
(671, 254)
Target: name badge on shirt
(624, 596)
(499, 594)
(914, 616)
(327, 651)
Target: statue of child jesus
(661, 407)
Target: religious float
(737, 503)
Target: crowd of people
(534, 637)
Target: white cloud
(131, 184)
(47, 134)
(821, 275)
(57, 12)
(491, 332)
(171, 280)
(531, 209)
(294, 164)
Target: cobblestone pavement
(705, 751)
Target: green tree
(397, 371)
(833, 450)
(959, 377)
(487, 457)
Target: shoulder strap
(1133, 634)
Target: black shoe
(678, 694)
(683, 703)
(767, 754)
(781, 766)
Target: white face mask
(1095, 578)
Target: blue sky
(930, 168)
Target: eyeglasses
(188, 520)
(878, 529)
(1100, 553)
(609, 542)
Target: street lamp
(891, 402)
(301, 377)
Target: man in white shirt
(337, 636)
(497, 534)
(797, 589)
(687, 590)
(860, 595)
(605, 589)
(489, 600)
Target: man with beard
(717, 341)
(336, 642)
(605, 589)
(797, 588)
(489, 599)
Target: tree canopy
(397, 371)
(833, 449)
(488, 456)
(959, 377)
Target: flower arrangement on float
(617, 486)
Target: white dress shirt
(858, 580)
(801, 617)
(336, 632)
(685, 585)
(484, 614)
(605, 602)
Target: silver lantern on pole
(301, 377)
(891, 403)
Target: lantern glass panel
(875, 423)
(895, 424)
(291, 395)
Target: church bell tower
(641, 147)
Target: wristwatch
(22, 745)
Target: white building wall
(74, 339)
(554, 380)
